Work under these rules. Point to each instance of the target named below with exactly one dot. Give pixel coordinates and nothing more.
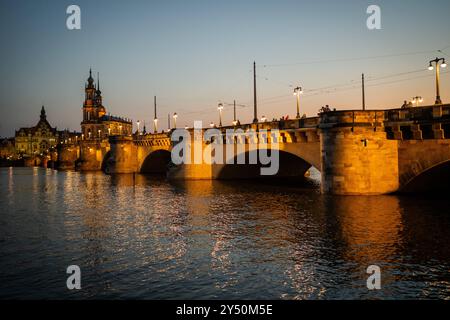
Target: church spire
(98, 93)
(90, 79)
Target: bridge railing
(418, 113)
(311, 122)
(352, 118)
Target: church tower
(96, 125)
(89, 108)
(93, 111)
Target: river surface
(147, 238)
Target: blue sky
(193, 54)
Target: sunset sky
(193, 54)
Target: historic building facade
(38, 140)
(96, 124)
(45, 145)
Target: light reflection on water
(143, 237)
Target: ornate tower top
(98, 92)
(43, 115)
(90, 79)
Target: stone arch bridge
(357, 152)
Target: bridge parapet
(352, 119)
(152, 139)
(424, 113)
(419, 123)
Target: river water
(143, 237)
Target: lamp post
(155, 122)
(431, 67)
(234, 113)
(297, 92)
(220, 108)
(175, 116)
(255, 106)
(155, 118)
(417, 100)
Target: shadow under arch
(432, 180)
(156, 162)
(105, 167)
(291, 167)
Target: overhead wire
(348, 85)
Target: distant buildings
(41, 141)
(37, 140)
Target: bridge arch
(290, 165)
(424, 165)
(432, 179)
(156, 161)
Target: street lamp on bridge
(220, 108)
(297, 92)
(417, 100)
(155, 118)
(155, 124)
(175, 116)
(431, 67)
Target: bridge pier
(356, 157)
(67, 156)
(123, 152)
(92, 153)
